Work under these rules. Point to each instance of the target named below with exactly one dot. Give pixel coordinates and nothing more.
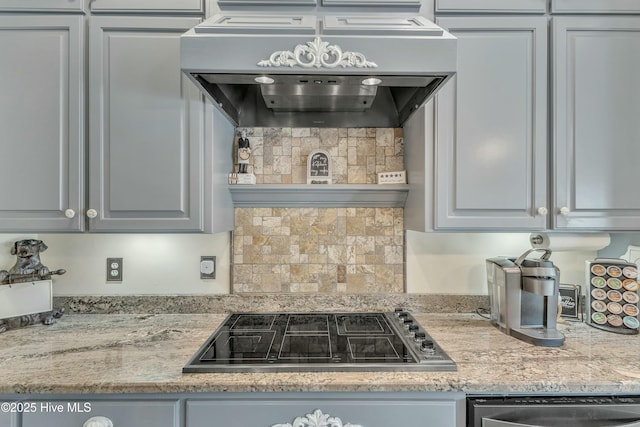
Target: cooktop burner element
(298, 342)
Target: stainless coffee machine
(524, 295)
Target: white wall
(454, 263)
(168, 264)
(154, 264)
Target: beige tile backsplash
(327, 250)
(279, 155)
(352, 250)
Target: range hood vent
(323, 82)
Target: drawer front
(366, 412)
(74, 413)
(491, 6)
(42, 6)
(157, 6)
(595, 6)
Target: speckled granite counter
(127, 353)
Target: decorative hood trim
(318, 54)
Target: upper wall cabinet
(155, 6)
(146, 127)
(596, 131)
(491, 127)
(491, 6)
(41, 122)
(41, 6)
(595, 6)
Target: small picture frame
(319, 168)
(570, 300)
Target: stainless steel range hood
(309, 71)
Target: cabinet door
(595, 6)
(282, 410)
(7, 419)
(147, 6)
(491, 6)
(491, 127)
(41, 122)
(70, 413)
(42, 6)
(146, 123)
(596, 126)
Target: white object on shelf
(242, 178)
(19, 299)
(397, 177)
(319, 167)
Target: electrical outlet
(114, 269)
(207, 267)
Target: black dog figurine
(28, 265)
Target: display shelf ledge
(319, 195)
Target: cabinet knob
(98, 422)
(542, 210)
(69, 213)
(564, 211)
(92, 213)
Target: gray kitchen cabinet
(148, 6)
(7, 419)
(369, 3)
(277, 3)
(361, 409)
(146, 128)
(596, 80)
(41, 122)
(491, 127)
(491, 6)
(595, 6)
(42, 6)
(74, 413)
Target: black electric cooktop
(299, 342)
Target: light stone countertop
(128, 353)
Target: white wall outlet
(397, 177)
(207, 267)
(114, 269)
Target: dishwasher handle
(490, 422)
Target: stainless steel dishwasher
(550, 411)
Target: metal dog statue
(28, 267)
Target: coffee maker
(524, 295)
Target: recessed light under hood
(371, 73)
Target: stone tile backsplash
(279, 155)
(329, 250)
(326, 250)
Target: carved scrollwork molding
(317, 53)
(317, 419)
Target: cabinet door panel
(159, 6)
(146, 128)
(491, 6)
(369, 412)
(41, 120)
(7, 419)
(491, 126)
(595, 6)
(70, 413)
(41, 6)
(596, 127)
